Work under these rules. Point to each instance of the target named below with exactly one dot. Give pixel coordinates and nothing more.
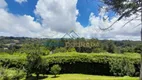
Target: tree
(61, 49)
(55, 69)
(111, 47)
(126, 8)
(35, 64)
(138, 48)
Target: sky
(55, 18)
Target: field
(87, 77)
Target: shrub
(71, 50)
(18, 75)
(112, 64)
(3, 74)
(138, 48)
(61, 49)
(55, 69)
(121, 67)
(44, 51)
(97, 50)
(11, 74)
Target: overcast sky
(54, 18)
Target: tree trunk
(54, 75)
(37, 76)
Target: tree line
(45, 45)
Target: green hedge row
(85, 57)
(104, 64)
(93, 63)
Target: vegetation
(11, 74)
(88, 77)
(126, 9)
(55, 69)
(35, 64)
(72, 62)
(44, 46)
(112, 58)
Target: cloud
(18, 25)
(117, 32)
(23, 26)
(3, 4)
(59, 17)
(21, 1)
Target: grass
(87, 77)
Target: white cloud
(22, 26)
(21, 1)
(3, 4)
(18, 25)
(59, 17)
(118, 32)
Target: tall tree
(126, 8)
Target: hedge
(93, 63)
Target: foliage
(138, 49)
(18, 75)
(121, 67)
(119, 64)
(97, 50)
(44, 51)
(11, 74)
(44, 46)
(71, 50)
(55, 69)
(78, 62)
(125, 8)
(61, 49)
(34, 64)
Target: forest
(21, 44)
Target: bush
(97, 50)
(18, 75)
(44, 51)
(113, 64)
(71, 50)
(138, 49)
(55, 69)
(3, 74)
(122, 67)
(71, 62)
(61, 49)
(11, 74)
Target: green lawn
(87, 77)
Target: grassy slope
(88, 77)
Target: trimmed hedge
(93, 63)
(104, 64)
